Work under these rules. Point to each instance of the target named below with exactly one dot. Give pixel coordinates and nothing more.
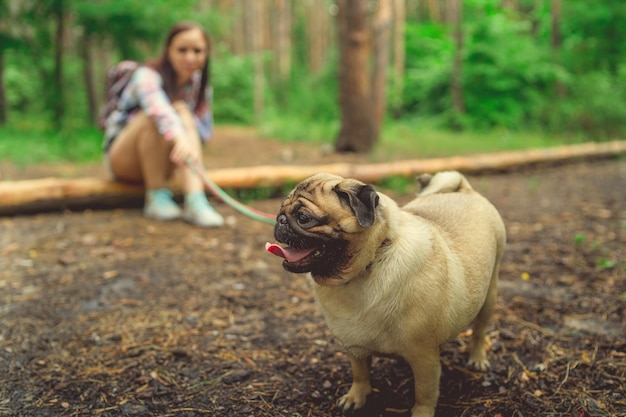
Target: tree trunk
(382, 42)
(357, 133)
(88, 78)
(556, 42)
(458, 104)
(3, 97)
(399, 58)
(434, 10)
(238, 39)
(255, 33)
(58, 108)
(282, 39)
(317, 26)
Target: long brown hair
(164, 67)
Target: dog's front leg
(426, 372)
(355, 398)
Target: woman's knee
(144, 124)
(183, 112)
(144, 132)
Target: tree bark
(88, 78)
(255, 33)
(239, 39)
(58, 108)
(556, 42)
(317, 27)
(382, 51)
(3, 97)
(434, 10)
(458, 104)
(399, 55)
(282, 39)
(357, 132)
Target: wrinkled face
(322, 225)
(187, 53)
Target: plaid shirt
(145, 92)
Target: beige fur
(420, 275)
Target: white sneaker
(159, 205)
(199, 211)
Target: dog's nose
(282, 219)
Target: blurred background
(521, 71)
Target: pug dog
(394, 280)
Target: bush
(233, 91)
(429, 54)
(596, 104)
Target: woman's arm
(146, 89)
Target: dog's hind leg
(478, 354)
(426, 367)
(361, 387)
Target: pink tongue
(290, 254)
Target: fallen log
(38, 195)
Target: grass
(30, 141)
(26, 144)
(422, 140)
(417, 139)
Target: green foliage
(397, 184)
(125, 22)
(306, 109)
(595, 36)
(31, 141)
(513, 78)
(291, 128)
(596, 104)
(506, 73)
(517, 88)
(21, 89)
(605, 264)
(248, 195)
(594, 249)
(232, 89)
(423, 139)
(429, 54)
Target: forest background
(496, 69)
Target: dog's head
(325, 226)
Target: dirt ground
(106, 313)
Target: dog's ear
(362, 199)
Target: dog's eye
(304, 219)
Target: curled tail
(443, 182)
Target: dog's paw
(478, 364)
(423, 411)
(355, 398)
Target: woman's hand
(181, 151)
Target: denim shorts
(108, 172)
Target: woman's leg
(197, 208)
(191, 182)
(140, 154)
